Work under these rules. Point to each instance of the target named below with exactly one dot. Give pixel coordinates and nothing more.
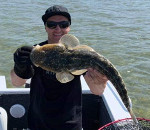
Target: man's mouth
(57, 34)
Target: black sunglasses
(53, 25)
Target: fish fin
(64, 77)
(78, 72)
(83, 47)
(131, 112)
(36, 65)
(133, 117)
(36, 47)
(69, 40)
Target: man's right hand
(23, 66)
(22, 55)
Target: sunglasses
(53, 25)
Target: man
(53, 105)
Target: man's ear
(45, 29)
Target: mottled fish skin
(58, 58)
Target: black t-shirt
(54, 105)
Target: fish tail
(135, 121)
(133, 116)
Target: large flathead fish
(68, 58)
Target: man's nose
(57, 27)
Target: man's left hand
(96, 81)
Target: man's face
(54, 34)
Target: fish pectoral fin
(36, 47)
(78, 72)
(64, 77)
(69, 40)
(36, 65)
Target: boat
(97, 110)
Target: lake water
(118, 29)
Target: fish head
(44, 55)
(36, 56)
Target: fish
(68, 58)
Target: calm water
(120, 30)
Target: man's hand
(23, 67)
(96, 81)
(22, 55)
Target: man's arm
(96, 81)
(23, 68)
(15, 80)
